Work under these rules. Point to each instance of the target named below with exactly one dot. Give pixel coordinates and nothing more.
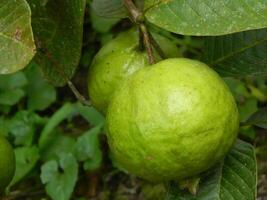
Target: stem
(157, 47)
(147, 43)
(135, 14)
(78, 95)
(141, 40)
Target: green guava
(171, 121)
(116, 61)
(7, 163)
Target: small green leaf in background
(234, 178)
(39, 92)
(259, 118)
(207, 17)
(90, 114)
(11, 86)
(58, 145)
(102, 24)
(247, 108)
(26, 159)
(60, 177)
(58, 31)
(240, 54)
(66, 111)
(109, 8)
(16, 38)
(23, 126)
(88, 148)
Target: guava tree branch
(146, 38)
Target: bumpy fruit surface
(7, 163)
(171, 121)
(116, 61)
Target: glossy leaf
(207, 17)
(240, 54)
(16, 39)
(234, 178)
(58, 32)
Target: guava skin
(117, 60)
(7, 163)
(171, 121)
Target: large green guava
(116, 61)
(171, 121)
(7, 163)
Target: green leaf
(90, 114)
(259, 118)
(207, 17)
(247, 108)
(13, 81)
(23, 126)
(16, 38)
(66, 111)
(58, 31)
(38, 100)
(109, 8)
(11, 88)
(11, 97)
(26, 159)
(60, 177)
(234, 178)
(240, 54)
(102, 24)
(58, 145)
(88, 148)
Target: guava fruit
(116, 61)
(7, 163)
(171, 121)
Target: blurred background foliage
(59, 144)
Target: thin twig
(148, 44)
(78, 95)
(135, 14)
(157, 46)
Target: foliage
(60, 145)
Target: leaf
(66, 111)
(102, 24)
(58, 31)
(259, 118)
(23, 126)
(57, 145)
(11, 91)
(16, 38)
(60, 177)
(26, 159)
(88, 148)
(234, 178)
(90, 114)
(109, 8)
(240, 54)
(207, 17)
(247, 108)
(38, 100)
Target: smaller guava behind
(171, 121)
(117, 60)
(7, 163)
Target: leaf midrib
(241, 50)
